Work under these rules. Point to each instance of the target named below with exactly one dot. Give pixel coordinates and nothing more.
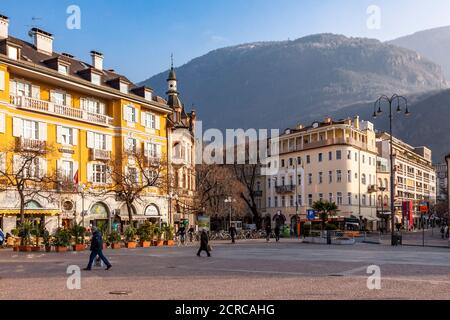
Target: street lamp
(377, 111)
(81, 189)
(230, 200)
(382, 189)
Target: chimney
(97, 60)
(4, 25)
(327, 120)
(43, 41)
(356, 123)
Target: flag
(75, 177)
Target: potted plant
(114, 238)
(145, 233)
(25, 230)
(169, 235)
(15, 233)
(158, 234)
(78, 232)
(103, 229)
(46, 240)
(130, 236)
(61, 240)
(37, 232)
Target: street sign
(424, 207)
(311, 214)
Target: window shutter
(3, 162)
(125, 113)
(109, 143)
(101, 108)
(52, 96)
(59, 169)
(17, 127)
(75, 171)
(42, 131)
(90, 140)
(68, 100)
(36, 92)
(138, 146)
(137, 115)
(2, 80)
(2, 122)
(157, 123)
(90, 172)
(42, 167)
(83, 103)
(158, 150)
(108, 175)
(145, 148)
(17, 163)
(58, 134)
(143, 116)
(75, 137)
(12, 87)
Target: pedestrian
(182, 233)
(97, 250)
(446, 232)
(268, 231)
(443, 232)
(2, 237)
(277, 233)
(204, 244)
(191, 234)
(233, 233)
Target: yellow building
(87, 116)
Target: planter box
(48, 249)
(78, 247)
(159, 243)
(146, 244)
(25, 248)
(169, 243)
(131, 245)
(115, 246)
(61, 249)
(35, 249)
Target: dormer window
(13, 53)
(148, 95)
(96, 79)
(124, 87)
(63, 69)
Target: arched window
(32, 205)
(363, 178)
(386, 184)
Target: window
(96, 79)
(133, 175)
(330, 197)
(349, 155)
(152, 151)
(370, 161)
(63, 69)
(291, 201)
(310, 178)
(299, 178)
(99, 173)
(364, 200)
(291, 162)
(99, 141)
(283, 181)
(268, 183)
(32, 170)
(276, 201)
(339, 198)
(310, 200)
(338, 155)
(67, 169)
(339, 176)
(349, 198)
(66, 135)
(363, 159)
(282, 163)
(131, 145)
(148, 95)
(349, 175)
(320, 157)
(275, 180)
(363, 178)
(320, 177)
(299, 160)
(291, 180)
(299, 200)
(123, 87)
(269, 202)
(30, 129)
(308, 159)
(356, 157)
(130, 114)
(13, 53)
(61, 98)
(321, 196)
(93, 106)
(330, 176)
(18, 88)
(330, 156)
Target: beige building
(415, 176)
(329, 160)
(447, 159)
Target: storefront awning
(29, 212)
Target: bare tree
(132, 176)
(247, 175)
(23, 169)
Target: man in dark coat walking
(97, 250)
(204, 244)
(233, 233)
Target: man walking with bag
(97, 250)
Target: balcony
(28, 103)
(178, 161)
(102, 155)
(372, 188)
(258, 193)
(23, 144)
(332, 141)
(285, 189)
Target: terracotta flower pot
(131, 245)
(78, 247)
(48, 249)
(25, 248)
(35, 248)
(116, 246)
(159, 243)
(146, 244)
(60, 249)
(169, 243)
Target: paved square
(250, 269)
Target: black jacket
(96, 242)
(204, 241)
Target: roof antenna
(33, 25)
(171, 61)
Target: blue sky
(138, 36)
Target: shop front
(99, 215)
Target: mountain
(267, 84)
(428, 125)
(433, 44)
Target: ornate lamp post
(398, 100)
